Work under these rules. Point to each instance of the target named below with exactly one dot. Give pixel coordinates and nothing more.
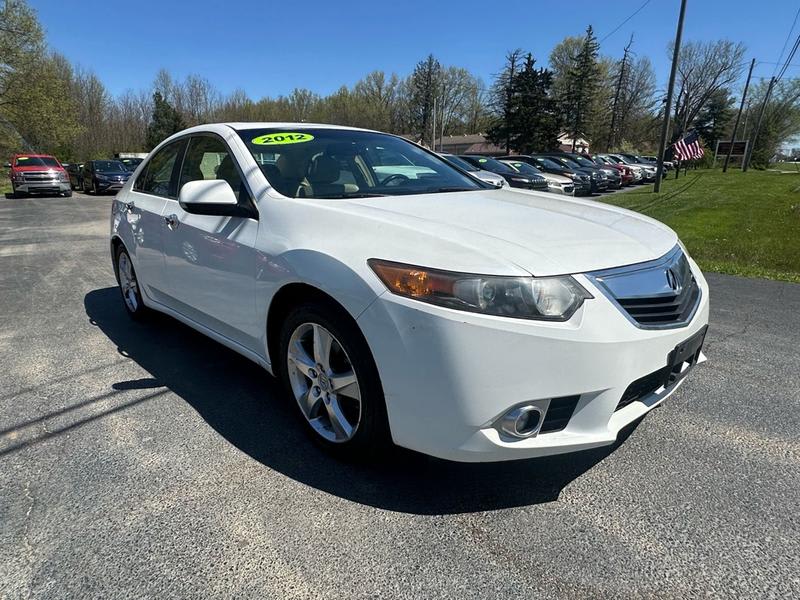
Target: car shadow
(247, 407)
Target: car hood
(502, 231)
(487, 175)
(556, 178)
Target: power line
(788, 36)
(789, 58)
(618, 27)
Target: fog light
(524, 421)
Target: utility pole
(738, 116)
(612, 135)
(668, 104)
(433, 130)
(749, 155)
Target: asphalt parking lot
(147, 461)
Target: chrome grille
(658, 294)
(38, 176)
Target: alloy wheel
(324, 382)
(128, 283)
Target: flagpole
(668, 103)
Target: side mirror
(211, 197)
(7, 165)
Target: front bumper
(108, 186)
(42, 187)
(449, 375)
(582, 188)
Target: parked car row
(45, 174)
(566, 173)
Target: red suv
(38, 174)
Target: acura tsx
(401, 300)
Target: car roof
(238, 126)
(33, 155)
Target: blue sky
(269, 48)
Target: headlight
(543, 298)
(62, 176)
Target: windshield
(36, 161)
(570, 164)
(547, 163)
(523, 167)
(130, 163)
(460, 163)
(489, 164)
(582, 161)
(341, 163)
(108, 166)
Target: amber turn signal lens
(403, 280)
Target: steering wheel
(398, 176)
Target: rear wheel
(326, 366)
(129, 285)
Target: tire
(131, 295)
(95, 191)
(349, 354)
(67, 194)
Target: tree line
(49, 105)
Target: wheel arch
(288, 297)
(115, 244)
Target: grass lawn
(738, 223)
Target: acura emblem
(672, 280)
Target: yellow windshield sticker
(275, 139)
(482, 160)
(21, 158)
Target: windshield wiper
(345, 196)
(450, 189)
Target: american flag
(688, 148)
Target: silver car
(485, 176)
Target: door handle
(172, 221)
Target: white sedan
(435, 311)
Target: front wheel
(327, 367)
(129, 285)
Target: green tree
(581, 86)
(502, 101)
(713, 120)
(528, 118)
(422, 90)
(164, 123)
(36, 108)
(781, 122)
